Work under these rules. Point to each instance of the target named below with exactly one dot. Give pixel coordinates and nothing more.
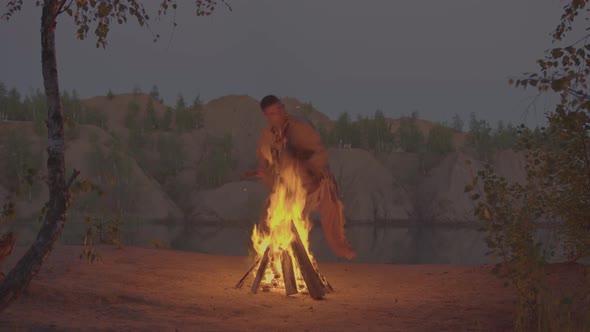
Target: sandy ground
(137, 289)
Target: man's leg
(333, 220)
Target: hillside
(130, 192)
(181, 185)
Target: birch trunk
(28, 266)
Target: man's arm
(264, 157)
(305, 139)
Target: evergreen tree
(166, 123)
(410, 137)
(346, 132)
(480, 137)
(3, 101)
(440, 140)
(457, 122)
(199, 112)
(13, 105)
(150, 121)
(155, 92)
(180, 104)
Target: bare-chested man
(288, 141)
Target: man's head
(274, 110)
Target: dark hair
(268, 101)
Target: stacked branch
(316, 283)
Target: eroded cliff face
(398, 210)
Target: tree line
(378, 134)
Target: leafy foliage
(166, 122)
(409, 136)
(150, 120)
(33, 107)
(440, 140)
(155, 93)
(376, 133)
(562, 164)
(101, 14)
(198, 109)
(188, 119)
(171, 155)
(18, 161)
(457, 122)
(510, 213)
(370, 133)
(487, 140)
(480, 137)
(565, 164)
(505, 136)
(100, 231)
(113, 171)
(217, 161)
(558, 178)
(345, 131)
(180, 103)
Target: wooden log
(288, 273)
(327, 287)
(261, 269)
(310, 276)
(241, 282)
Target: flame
(287, 202)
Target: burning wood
(284, 260)
(288, 274)
(261, 270)
(315, 283)
(310, 274)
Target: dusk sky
(437, 57)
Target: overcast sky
(437, 57)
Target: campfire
(283, 259)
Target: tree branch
(72, 179)
(12, 6)
(577, 94)
(227, 5)
(63, 7)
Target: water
(388, 244)
(384, 242)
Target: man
(288, 141)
